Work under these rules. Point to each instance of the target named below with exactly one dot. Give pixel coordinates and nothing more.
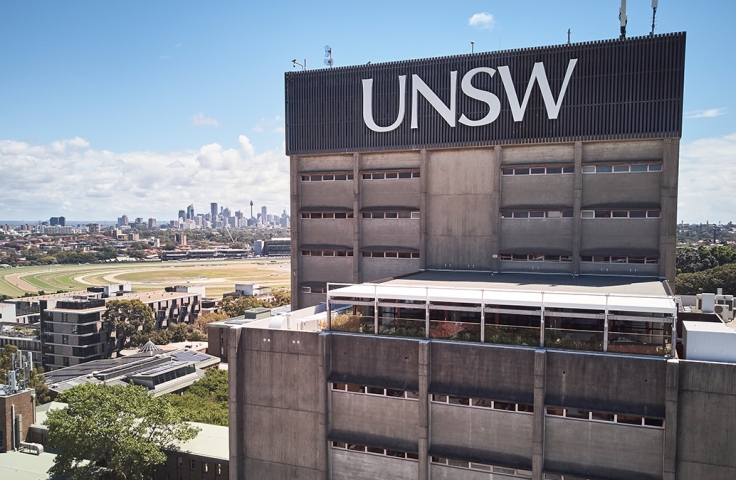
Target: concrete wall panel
(537, 235)
(624, 150)
(354, 419)
(603, 450)
(619, 269)
(608, 383)
(443, 472)
(325, 163)
(486, 371)
(632, 234)
(474, 434)
(396, 232)
(460, 172)
(393, 192)
(379, 268)
(621, 189)
(324, 269)
(327, 231)
(374, 360)
(333, 194)
(389, 160)
(536, 267)
(539, 154)
(537, 190)
(279, 471)
(348, 465)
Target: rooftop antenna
(568, 36)
(654, 15)
(623, 18)
(472, 46)
(303, 65)
(328, 56)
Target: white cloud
(200, 119)
(71, 178)
(279, 130)
(706, 169)
(713, 112)
(482, 20)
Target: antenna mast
(623, 18)
(328, 56)
(654, 14)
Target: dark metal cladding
(619, 89)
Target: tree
(202, 321)
(206, 400)
(36, 379)
(131, 320)
(234, 307)
(113, 432)
(281, 297)
(708, 281)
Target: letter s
(494, 104)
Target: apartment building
(556, 159)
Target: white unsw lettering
(494, 105)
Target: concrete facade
(21, 404)
(603, 207)
(297, 411)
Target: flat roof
(211, 442)
(25, 466)
(529, 290)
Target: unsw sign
(614, 89)
(448, 112)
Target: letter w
(540, 76)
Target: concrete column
(424, 214)
(296, 219)
(325, 402)
(670, 413)
(540, 372)
(495, 213)
(357, 205)
(423, 440)
(236, 404)
(668, 217)
(577, 199)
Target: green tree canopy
(234, 307)
(708, 281)
(131, 320)
(206, 400)
(36, 379)
(113, 431)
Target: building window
(620, 213)
(515, 472)
(623, 168)
(619, 259)
(179, 461)
(327, 253)
(392, 215)
(191, 464)
(400, 255)
(327, 177)
(390, 175)
(536, 258)
(205, 467)
(384, 392)
(536, 214)
(540, 170)
(604, 417)
(219, 469)
(326, 215)
(375, 450)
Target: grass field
(217, 277)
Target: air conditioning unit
(724, 311)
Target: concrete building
(7, 312)
(579, 178)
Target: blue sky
(144, 107)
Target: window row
(620, 213)
(411, 215)
(536, 214)
(328, 215)
(607, 259)
(482, 467)
(537, 258)
(328, 177)
(205, 465)
(554, 476)
(605, 417)
(635, 167)
(390, 175)
(384, 392)
(484, 403)
(314, 289)
(555, 170)
(327, 253)
(391, 254)
(377, 451)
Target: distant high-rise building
(123, 221)
(227, 213)
(213, 211)
(182, 215)
(190, 212)
(264, 214)
(151, 223)
(62, 221)
(54, 221)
